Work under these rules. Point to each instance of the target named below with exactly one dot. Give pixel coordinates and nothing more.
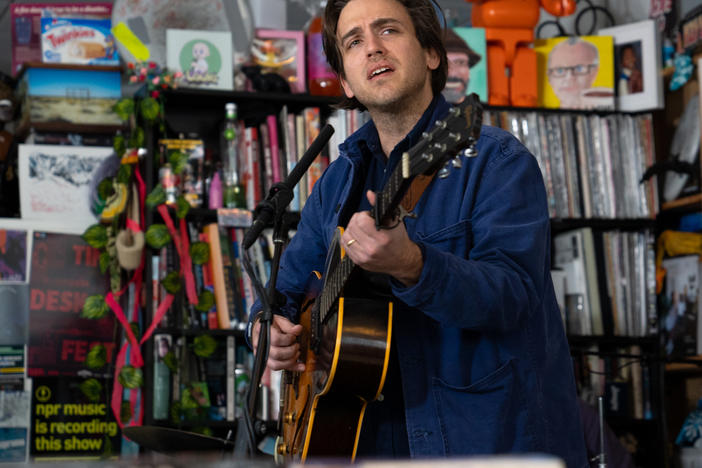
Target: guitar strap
(417, 188)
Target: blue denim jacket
(483, 355)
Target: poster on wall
(64, 273)
(58, 182)
(467, 64)
(71, 418)
(575, 72)
(203, 57)
(13, 255)
(639, 83)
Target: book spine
(292, 159)
(210, 317)
(301, 146)
(274, 148)
(217, 267)
(162, 376)
(231, 378)
(267, 159)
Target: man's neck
(393, 125)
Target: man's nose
(374, 45)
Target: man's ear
(347, 89)
(432, 59)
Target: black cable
(592, 9)
(556, 23)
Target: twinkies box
(79, 41)
(25, 28)
(69, 93)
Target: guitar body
(323, 406)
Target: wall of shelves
(201, 112)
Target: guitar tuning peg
(456, 162)
(471, 152)
(444, 171)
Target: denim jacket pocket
(487, 416)
(456, 238)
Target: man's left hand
(387, 251)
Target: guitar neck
(386, 205)
(459, 130)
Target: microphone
(281, 194)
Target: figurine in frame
(283, 53)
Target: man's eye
(580, 69)
(388, 31)
(353, 43)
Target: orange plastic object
(509, 30)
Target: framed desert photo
(467, 69)
(575, 72)
(281, 52)
(204, 58)
(639, 84)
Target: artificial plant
(120, 203)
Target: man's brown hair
(426, 26)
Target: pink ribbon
(183, 248)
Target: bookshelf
(190, 112)
(201, 112)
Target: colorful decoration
(509, 30)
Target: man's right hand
(284, 349)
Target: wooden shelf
(67, 66)
(216, 98)
(612, 340)
(200, 331)
(67, 127)
(564, 224)
(692, 364)
(692, 202)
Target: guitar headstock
(458, 131)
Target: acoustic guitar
(345, 343)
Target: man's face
(572, 69)
(628, 58)
(384, 64)
(458, 77)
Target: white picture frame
(640, 40)
(56, 182)
(203, 57)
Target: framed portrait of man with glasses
(576, 72)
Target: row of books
(591, 164)
(269, 151)
(192, 389)
(223, 275)
(608, 282)
(623, 377)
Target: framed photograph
(204, 58)
(58, 182)
(639, 84)
(281, 52)
(575, 72)
(467, 64)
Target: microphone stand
(273, 208)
